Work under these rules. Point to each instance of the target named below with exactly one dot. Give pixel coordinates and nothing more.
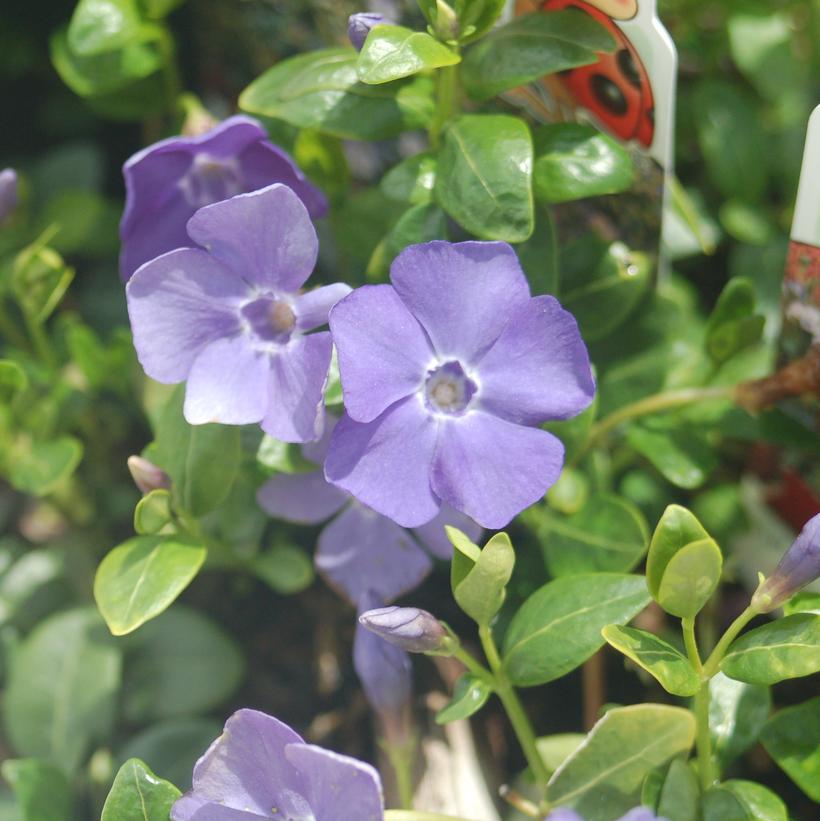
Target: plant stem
(473, 666)
(703, 740)
(691, 644)
(714, 660)
(514, 708)
(446, 102)
(42, 344)
(401, 760)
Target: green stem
(401, 760)
(473, 666)
(703, 740)
(713, 662)
(691, 644)
(514, 708)
(446, 102)
(42, 344)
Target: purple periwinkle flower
(167, 182)
(799, 566)
(446, 374)
(147, 476)
(359, 550)
(8, 193)
(232, 321)
(359, 25)
(408, 628)
(635, 814)
(260, 768)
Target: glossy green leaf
(285, 568)
(465, 555)
(419, 223)
(482, 589)
(575, 161)
(412, 180)
(469, 695)
(139, 795)
(660, 659)
(12, 379)
(602, 779)
(677, 528)
(275, 456)
(31, 580)
(62, 688)
(539, 258)
(536, 649)
(690, 578)
(679, 798)
(103, 25)
(792, 739)
(737, 800)
(805, 602)
(153, 512)
(484, 178)
(782, 649)
(323, 160)
(42, 790)
(607, 534)
(42, 466)
(477, 17)
(531, 46)
(393, 52)
(733, 325)
(679, 452)
(746, 222)
(556, 749)
(737, 712)
(569, 495)
(140, 579)
(322, 90)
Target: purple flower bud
(409, 628)
(359, 25)
(8, 193)
(635, 814)
(147, 476)
(798, 567)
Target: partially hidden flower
(147, 476)
(446, 374)
(230, 319)
(8, 193)
(167, 182)
(359, 25)
(359, 550)
(260, 768)
(799, 566)
(408, 628)
(635, 814)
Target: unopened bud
(409, 628)
(446, 27)
(147, 476)
(359, 25)
(8, 193)
(798, 567)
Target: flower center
(448, 389)
(270, 319)
(211, 179)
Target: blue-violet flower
(359, 25)
(635, 814)
(409, 628)
(8, 193)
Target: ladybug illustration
(616, 89)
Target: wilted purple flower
(232, 321)
(260, 768)
(168, 181)
(409, 628)
(359, 25)
(359, 550)
(636, 814)
(147, 476)
(8, 193)
(799, 566)
(445, 374)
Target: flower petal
(296, 388)
(361, 551)
(313, 307)
(178, 303)
(383, 352)
(266, 236)
(317, 450)
(462, 293)
(191, 808)
(491, 469)
(228, 383)
(338, 787)
(538, 368)
(303, 498)
(386, 463)
(434, 537)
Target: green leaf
(275, 456)
(153, 512)
(465, 555)
(140, 578)
(412, 180)
(680, 793)
(676, 529)
(13, 379)
(607, 534)
(43, 466)
(477, 17)
(484, 178)
(323, 160)
(138, 795)
(660, 659)
(32, 581)
(285, 568)
(805, 602)
(556, 749)
(531, 46)
(393, 52)
(733, 325)
(102, 25)
(469, 695)
(40, 278)
(742, 801)
(42, 790)
(690, 578)
(569, 495)
(786, 648)
(419, 223)
(536, 649)
(792, 738)
(62, 688)
(575, 161)
(737, 712)
(481, 591)
(321, 90)
(602, 779)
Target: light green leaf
(733, 324)
(786, 648)
(679, 451)
(792, 739)
(556, 749)
(284, 568)
(140, 579)
(680, 793)
(660, 659)
(742, 801)
(602, 779)
(536, 649)
(569, 495)
(62, 688)
(138, 795)
(275, 456)
(39, 468)
(32, 579)
(42, 790)
(153, 512)
(393, 52)
(481, 591)
(805, 602)
(12, 379)
(484, 178)
(419, 223)
(690, 578)
(412, 180)
(737, 712)
(477, 17)
(102, 25)
(469, 696)
(676, 529)
(321, 90)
